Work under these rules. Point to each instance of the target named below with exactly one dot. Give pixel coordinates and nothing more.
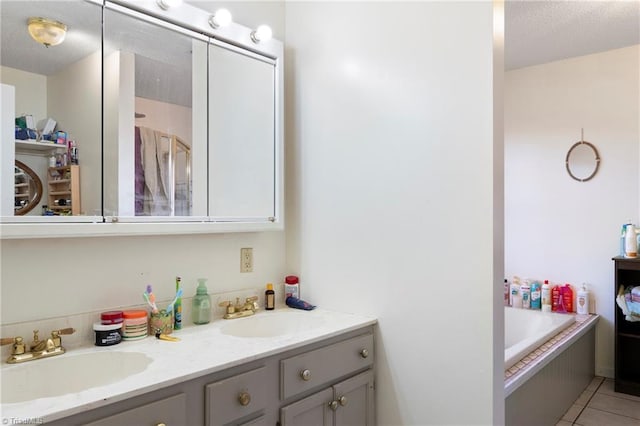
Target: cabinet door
(311, 411)
(170, 411)
(355, 401)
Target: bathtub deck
(539, 357)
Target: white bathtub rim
(525, 374)
(524, 347)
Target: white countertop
(202, 350)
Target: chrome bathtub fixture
(240, 310)
(21, 352)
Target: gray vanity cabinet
(167, 411)
(325, 383)
(348, 403)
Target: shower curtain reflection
(162, 174)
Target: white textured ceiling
(535, 31)
(538, 32)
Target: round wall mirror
(28, 189)
(582, 161)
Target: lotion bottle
(535, 295)
(515, 296)
(525, 291)
(583, 300)
(630, 241)
(546, 296)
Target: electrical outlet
(246, 259)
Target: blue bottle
(535, 295)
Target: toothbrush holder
(161, 321)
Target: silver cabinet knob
(244, 398)
(306, 375)
(342, 400)
(364, 353)
(333, 405)
(161, 424)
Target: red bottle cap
(291, 279)
(111, 317)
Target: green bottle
(201, 308)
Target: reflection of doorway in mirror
(168, 130)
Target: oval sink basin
(271, 324)
(68, 373)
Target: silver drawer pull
(161, 424)
(306, 375)
(364, 353)
(333, 405)
(244, 398)
(342, 400)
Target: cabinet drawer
(233, 398)
(306, 371)
(170, 411)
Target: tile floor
(599, 405)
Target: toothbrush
(178, 294)
(151, 299)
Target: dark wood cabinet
(627, 334)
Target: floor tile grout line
(608, 412)
(587, 404)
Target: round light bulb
(262, 33)
(221, 18)
(166, 4)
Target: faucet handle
(253, 302)
(227, 304)
(8, 340)
(64, 331)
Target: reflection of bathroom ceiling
(538, 32)
(18, 50)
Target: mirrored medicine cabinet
(161, 123)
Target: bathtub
(525, 330)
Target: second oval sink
(271, 324)
(68, 373)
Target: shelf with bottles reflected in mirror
(157, 162)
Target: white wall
(31, 91)
(391, 194)
(74, 96)
(169, 118)
(557, 228)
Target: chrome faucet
(38, 348)
(239, 310)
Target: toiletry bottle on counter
(556, 299)
(177, 308)
(546, 296)
(567, 297)
(506, 293)
(525, 291)
(269, 298)
(291, 287)
(630, 241)
(516, 297)
(583, 300)
(201, 305)
(535, 295)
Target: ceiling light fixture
(262, 33)
(221, 18)
(46, 31)
(166, 4)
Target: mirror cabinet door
(241, 135)
(53, 94)
(155, 119)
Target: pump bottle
(201, 304)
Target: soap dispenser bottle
(201, 306)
